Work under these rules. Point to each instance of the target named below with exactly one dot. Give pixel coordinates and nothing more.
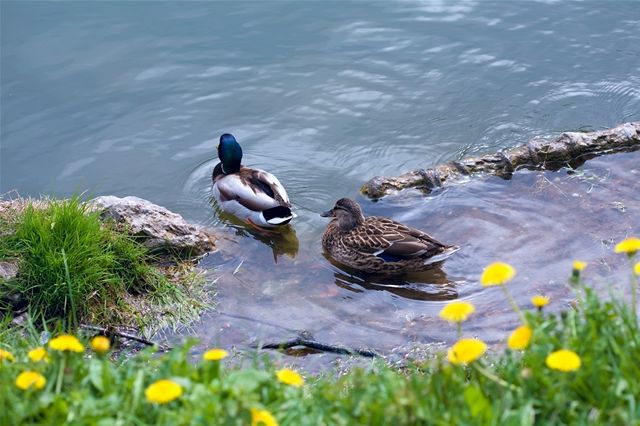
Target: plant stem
(60, 374)
(71, 299)
(459, 328)
(514, 305)
(495, 378)
(634, 291)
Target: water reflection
(281, 241)
(432, 284)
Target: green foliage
(510, 388)
(75, 268)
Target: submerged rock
(159, 228)
(570, 148)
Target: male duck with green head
(253, 195)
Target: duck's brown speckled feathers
(378, 234)
(379, 244)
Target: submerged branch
(109, 332)
(302, 341)
(570, 148)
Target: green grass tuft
(75, 268)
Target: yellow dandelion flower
(28, 379)
(38, 354)
(163, 391)
(262, 417)
(630, 246)
(563, 360)
(520, 338)
(579, 265)
(215, 355)
(6, 356)
(540, 301)
(100, 344)
(498, 273)
(636, 268)
(290, 377)
(457, 311)
(465, 351)
(66, 343)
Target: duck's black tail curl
(279, 215)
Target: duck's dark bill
(328, 213)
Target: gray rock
(8, 270)
(160, 229)
(9, 300)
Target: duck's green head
(230, 154)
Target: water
(129, 98)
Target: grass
(75, 268)
(505, 387)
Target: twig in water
(312, 344)
(113, 332)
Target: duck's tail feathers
(279, 215)
(444, 254)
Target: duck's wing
(260, 180)
(391, 240)
(254, 189)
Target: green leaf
(478, 404)
(246, 381)
(96, 374)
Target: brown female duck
(379, 244)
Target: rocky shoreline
(174, 247)
(162, 231)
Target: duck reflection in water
(282, 241)
(424, 285)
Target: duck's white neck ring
(222, 167)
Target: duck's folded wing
(266, 182)
(235, 188)
(392, 240)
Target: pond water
(129, 98)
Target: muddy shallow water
(271, 288)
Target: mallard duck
(253, 195)
(379, 244)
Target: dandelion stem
(576, 283)
(60, 375)
(459, 327)
(514, 305)
(495, 378)
(634, 291)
